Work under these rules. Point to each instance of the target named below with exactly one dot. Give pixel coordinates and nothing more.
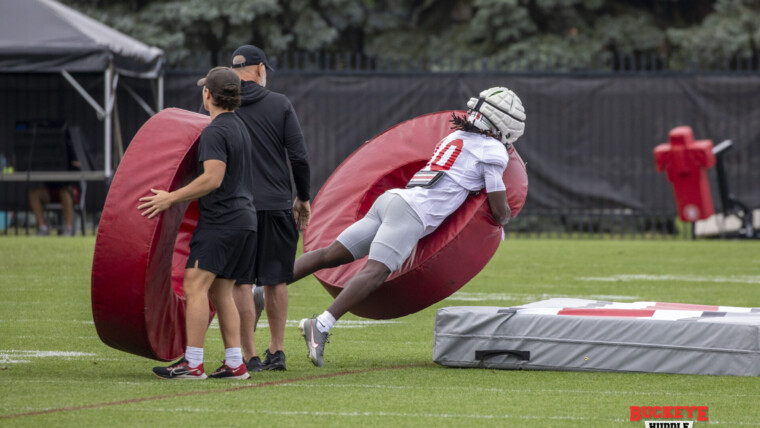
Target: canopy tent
(44, 36)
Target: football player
(470, 159)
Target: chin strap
(481, 100)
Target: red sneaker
(180, 370)
(227, 372)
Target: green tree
(511, 34)
(213, 27)
(728, 38)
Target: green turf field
(54, 371)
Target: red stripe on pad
(601, 312)
(684, 307)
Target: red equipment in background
(686, 163)
(443, 261)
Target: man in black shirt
(225, 239)
(278, 148)
(277, 143)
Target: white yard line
(381, 414)
(40, 320)
(85, 382)
(506, 390)
(42, 337)
(464, 296)
(14, 356)
(341, 323)
(737, 279)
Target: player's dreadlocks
(460, 123)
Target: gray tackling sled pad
(591, 335)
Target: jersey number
(445, 155)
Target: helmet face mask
(500, 111)
(481, 122)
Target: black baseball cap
(221, 81)
(253, 56)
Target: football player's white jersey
(470, 162)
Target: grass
(376, 374)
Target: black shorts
(225, 252)
(277, 243)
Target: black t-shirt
(278, 147)
(231, 205)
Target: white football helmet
(499, 110)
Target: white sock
(194, 356)
(233, 357)
(325, 322)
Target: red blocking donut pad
(443, 261)
(137, 271)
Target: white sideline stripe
(505, 390)
(37, 320)
(608, 297)
(61, 381)
(740, 279)
(84, 382)
(215, 322)
(350, 323)
(341, 324)
(44, 354)
(93, 337)
(20, 356)
(377, 414)
(480, 297)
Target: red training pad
(138, 267)
(443, 261)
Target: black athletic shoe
(267, 357)
(254, 365)
(180, 370)
(274, 361)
